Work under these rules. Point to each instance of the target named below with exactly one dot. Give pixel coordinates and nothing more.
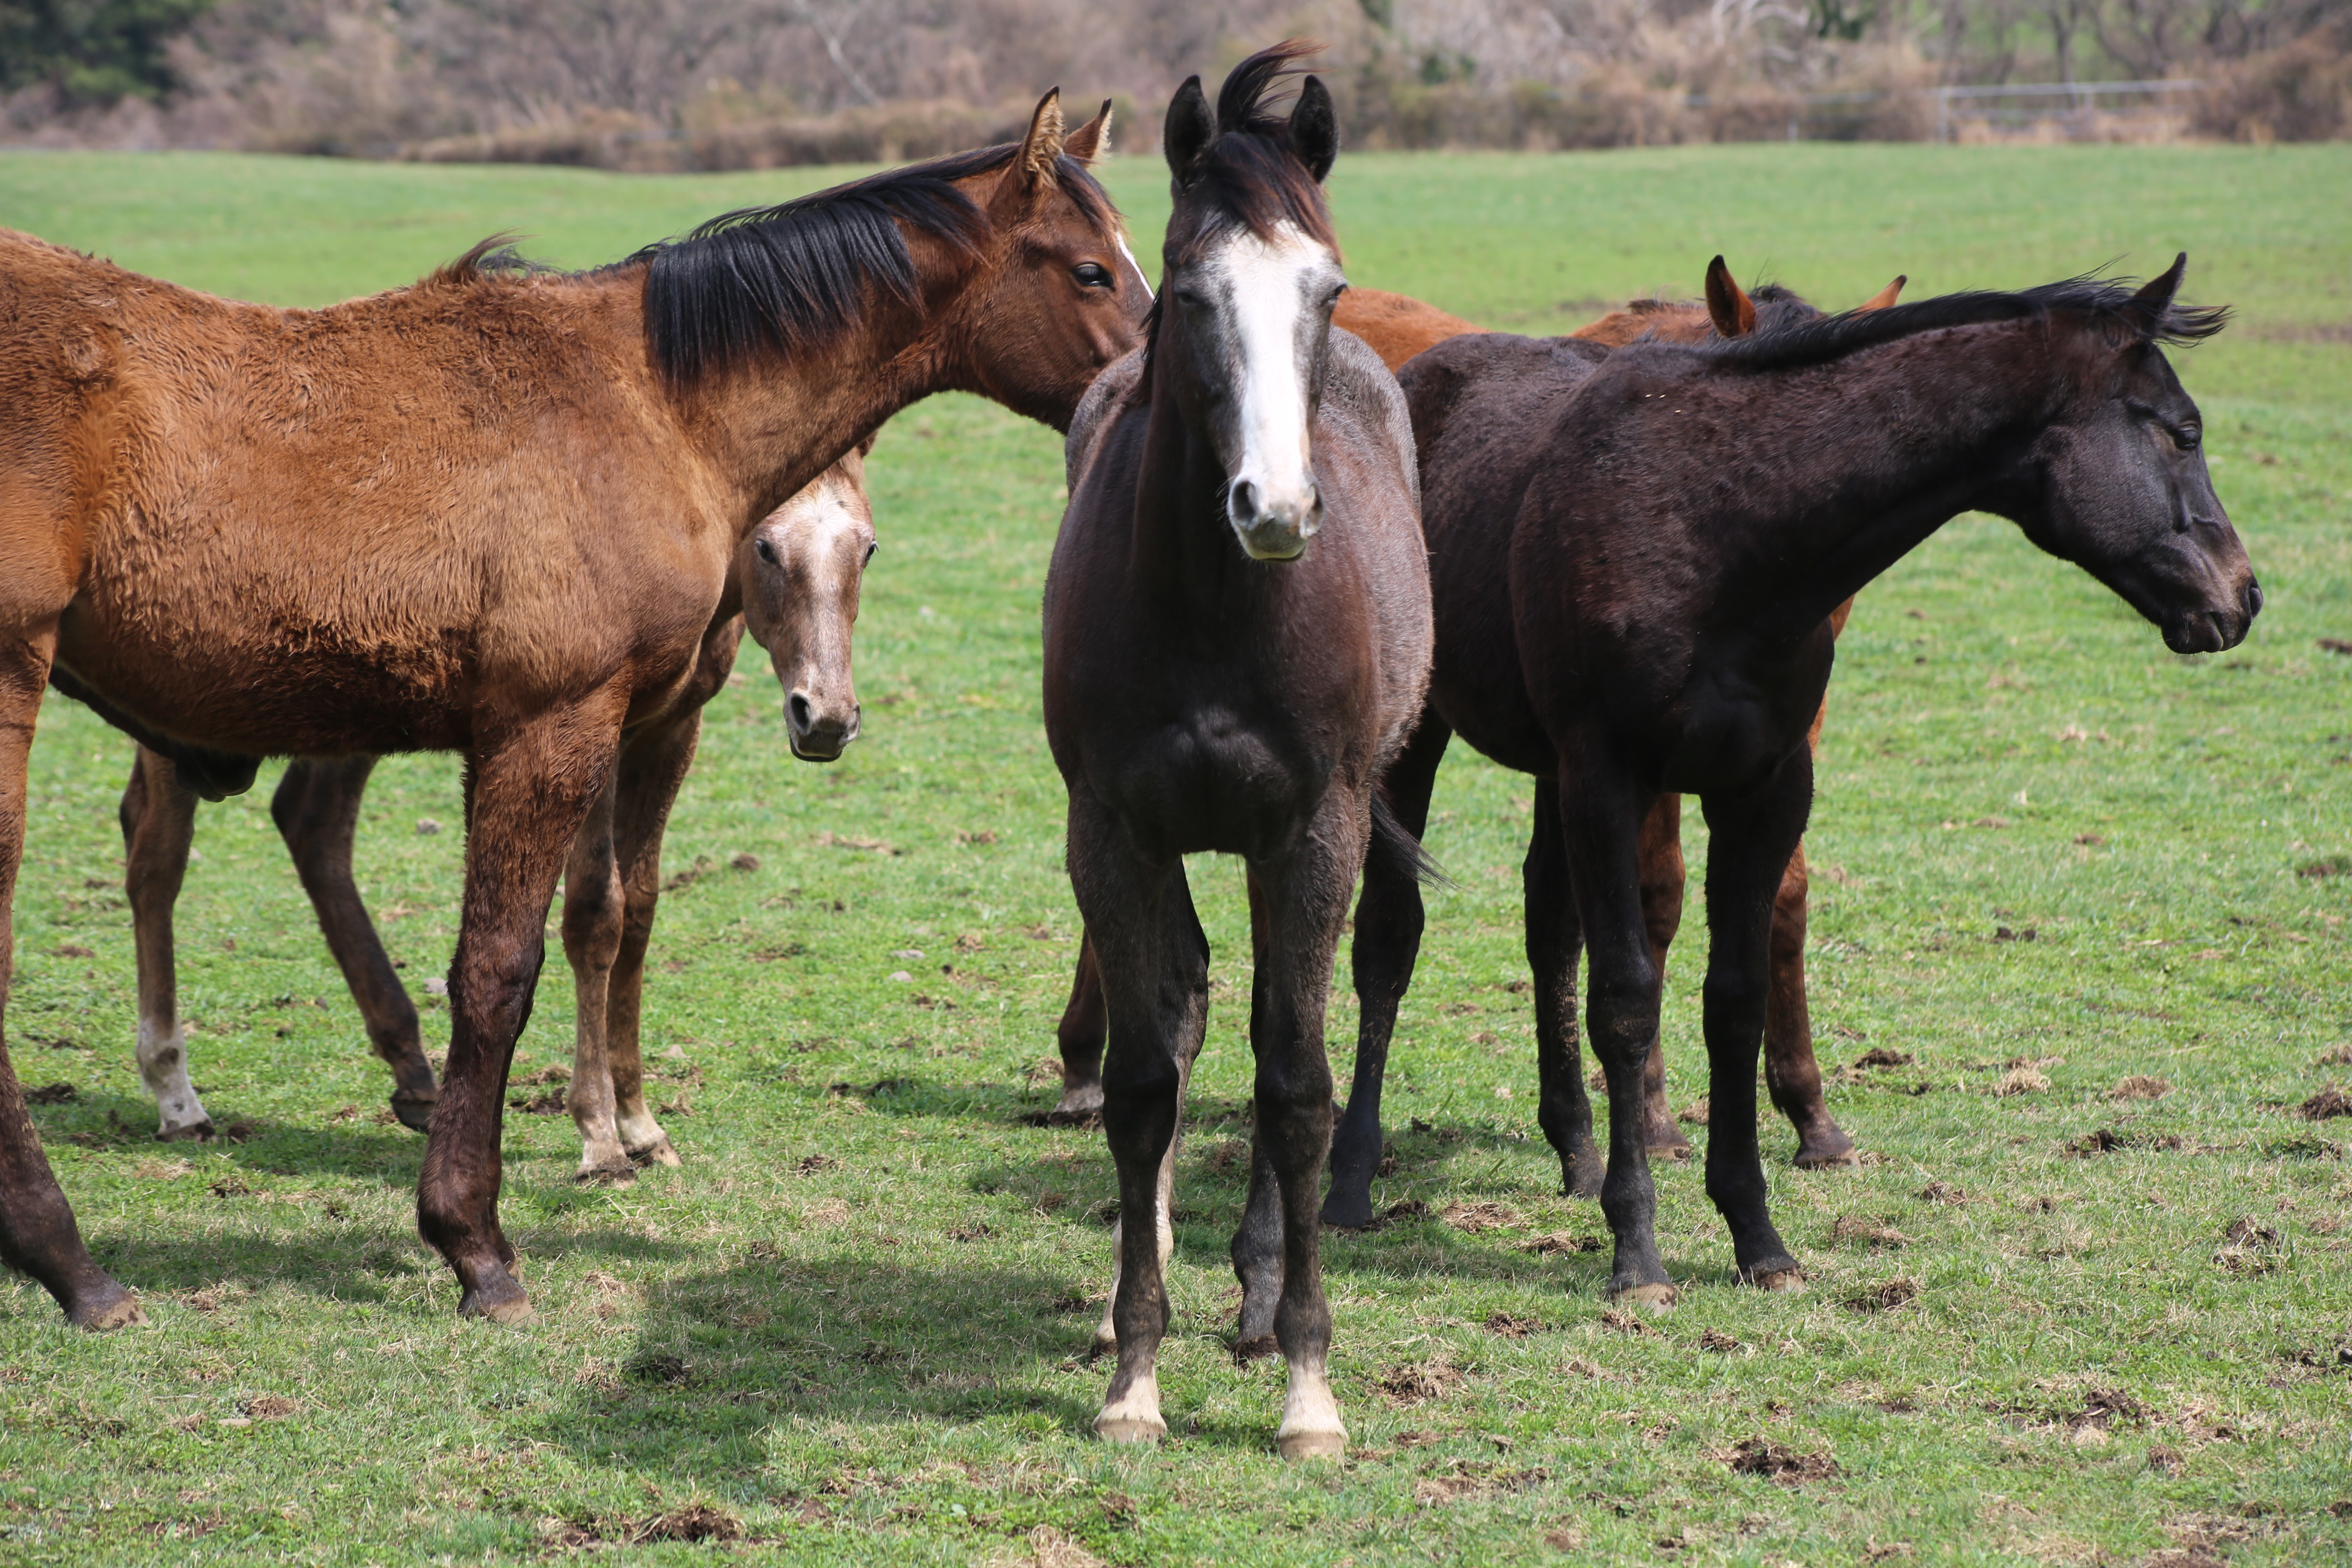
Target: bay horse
(1237, 638)
(1635, 554)
(493, 513)
(798, 576)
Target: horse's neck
(1184, 554)
(1876, 469)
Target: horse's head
(1063, 296)
(801, 568)
(1253, 271)
(2118, 482)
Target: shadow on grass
(123, 1127)
(719, 1356)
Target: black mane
(782, 279)
(1789, 345)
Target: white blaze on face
(1138, 266)
(804, 565)
(1271, 292)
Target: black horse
(1633, 557)
(1236, 642)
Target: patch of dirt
(2164, 1460)
(52, 1094)
(1044, 1547)
(1416, 1383)
(973, 1232)
(233, 1187)
(1475, 1217)
(1559, 1241)
(1944, 1193)
(2021, 1080)
(1229, 1158)
(1511, 1326)
(1852, 1231)
(1470, 1478)
(833, 1211)
(2111, 1140)
(547, 1102)
(1694, 1114)
(1887, 1296)
(669, 1370)
(809, 1164)
(2249, 1247)
(270, 1407)
(2105, 1407)
(1717, 1341)
(1627, 1323)
(2330, 1102)
(1763, 1457)
(1880, 1057)
(2140, 1086)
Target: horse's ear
(1885, 297)
(1092, 140)
(1315, 129)
(2145, 312)
(1032, 174)
(1727, 306)
(1191, 126)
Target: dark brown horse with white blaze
(1633, 557)
(493, 513)
(1237, 639)
(797, 575)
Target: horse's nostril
(1244, 501)
(2253, 600)
(798, 711)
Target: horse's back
(1396, 326)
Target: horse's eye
(1093, 275)
(870, 549)
(766, 552)
(2189, 439)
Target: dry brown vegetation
(681, 85)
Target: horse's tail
(1395, 852)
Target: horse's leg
(652, 770)
(1193, 958)
(591, 941)
(1750, 840)
(1079, 1035)
(1790, 1073)
(528, 789)
(1601, 816)
(1300, 903)
(1155, 988)
(1389, 920)
(317, 809)
(37, 1234)
(159, 823)
(1555, 937)
(1662, 917)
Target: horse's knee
(1735, 1000)
(595, 920)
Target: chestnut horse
(1236, 641)
(800, 573)
(494, 513)
(1650, 613)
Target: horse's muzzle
(1274, 527)
(820, 736)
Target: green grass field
(851, 1328)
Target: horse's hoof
(1256, 1347)
(103, 1311)
(606, 1174)
(1827, 1154)
(1079, 1106)
(504, 1302)
(1349, 1210)
(1106, 1342)
(1675, 1149)
(1788, 1279)
(1332, 1446)
(657, 1153)
(1649, 1298)
(194, 1132)
(414, 1111)
(1129, 1428)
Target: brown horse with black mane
(1237, 638)
(492, 513)
(1651, 614)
